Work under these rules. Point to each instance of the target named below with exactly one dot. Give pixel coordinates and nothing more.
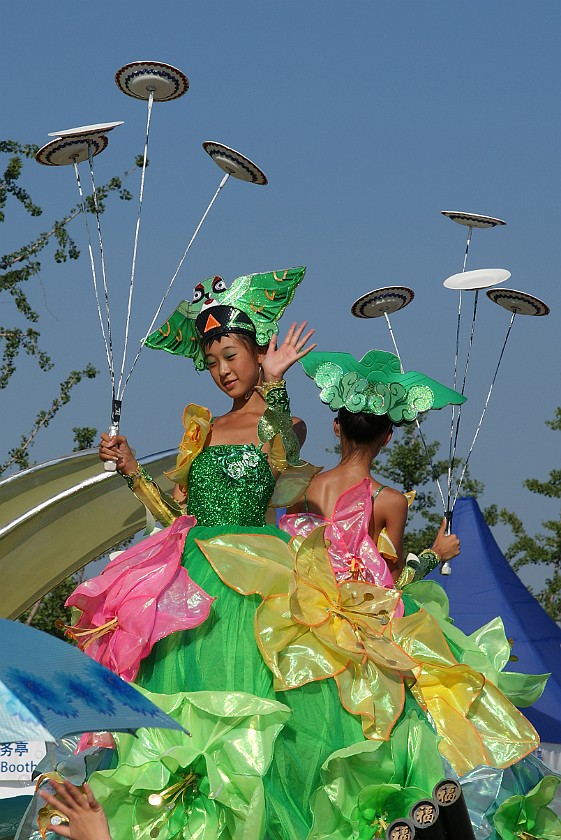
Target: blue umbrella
(50, 689)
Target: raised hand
(86, 820)
(117, 449)
(278, 359)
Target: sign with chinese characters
(19, 759)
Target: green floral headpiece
(376, 385)
(252, 305)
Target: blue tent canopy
(482, 586)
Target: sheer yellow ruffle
(310, 628)
(197, 424)
(292, 481)
(477, 723)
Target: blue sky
(368, 118)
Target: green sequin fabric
(230, 485)
(277, 419)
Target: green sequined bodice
(230, 485)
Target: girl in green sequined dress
(226, 474)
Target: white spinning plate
(140, 78)
(68, 150)
(382, 301)
(86, 130)
(480, 278)
(520, 303)
(234, 163)
(474, 220)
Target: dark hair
(362, 428)
(248, 340)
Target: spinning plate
(234, 163)
(380, 301)
(86, 130)
(68, 150)
(520, 303)
(140, 78)
(480, 278)
(474, 220)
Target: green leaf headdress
(251, 306)
(376, 385)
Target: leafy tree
(543, 549)
(16, 269)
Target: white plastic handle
(111, 466)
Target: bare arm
(300, 430)
(391, 512)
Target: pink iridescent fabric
(352, 550)
(142, 596)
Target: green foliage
(19, 455)
(50, 609)
(84, 437)
(544, 549)
(19, 266)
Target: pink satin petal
(150, 595)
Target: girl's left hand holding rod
(117, 449)
(86, 820)
(278, 359)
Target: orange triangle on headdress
(211, 322)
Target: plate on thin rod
(86, 130)
(521, 303)
(474, 220)
(479, 278)
(234, 163)
(140, 78)
(382, 301)
(68, 150)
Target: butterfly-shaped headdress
(251, 306)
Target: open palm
(278, 359)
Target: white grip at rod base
(111, 466)
(446, 568)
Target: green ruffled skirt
(222, 655)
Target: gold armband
(160, 504)
(277, 420)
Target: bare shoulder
(392, 499)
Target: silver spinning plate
(521, 303)
(382, 301)
(141, 78)
(479, 278)
(234, 163)
(86, 130)
(68, 150)
(474, 220)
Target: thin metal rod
(484, 408)
(453, 421)
(94, 277)
(386, 316)
(135, 247)
(102, 260)
(470, 344)
(172, 281)
(423, 441)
